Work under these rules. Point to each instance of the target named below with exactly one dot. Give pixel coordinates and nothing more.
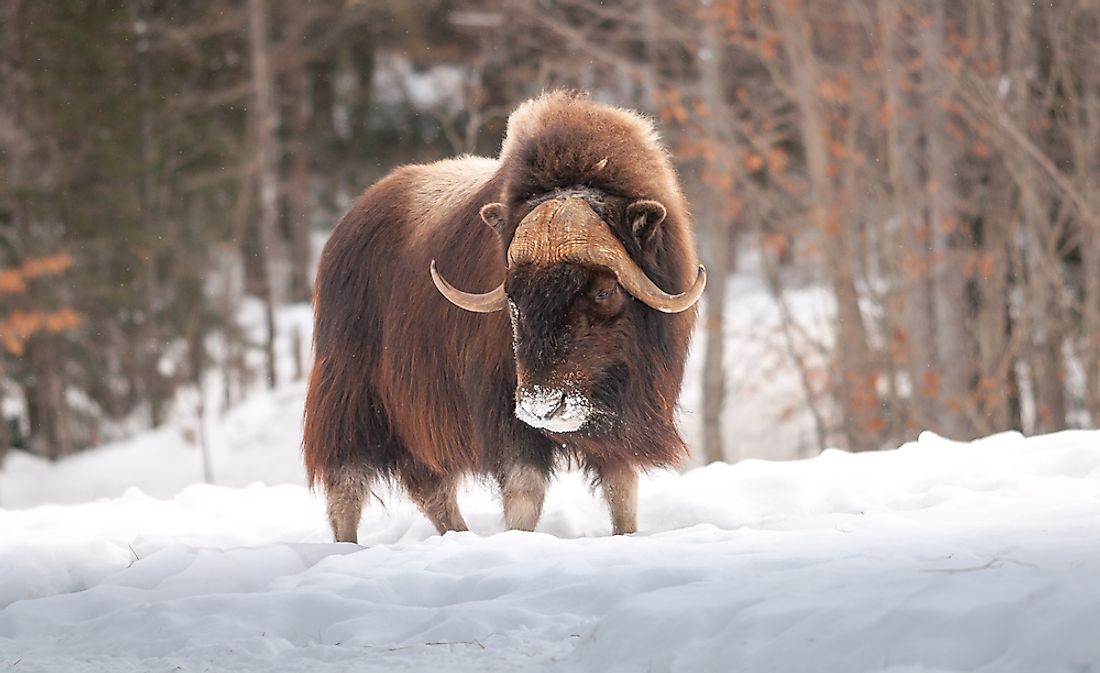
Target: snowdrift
(938, 556)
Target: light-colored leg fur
(438, 501)
(524, 490)
(620, 488)
(345, 493)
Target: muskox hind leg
(437, 498)
(524, 490)
(345, 490)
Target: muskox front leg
(524, 490)
(620, 488)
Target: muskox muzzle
(567, 229)
(552, 409)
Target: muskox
(577, 355)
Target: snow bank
(258, 441)
(939, 556)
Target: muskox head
(576, 299)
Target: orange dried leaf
(930, 384)
(11, 282)
(886, 112)
(62, 320)
(732, 207)
(769, 46)
(833, 91)
(875, 425)
(47, 266)
(777, 160)
(830, 223)
(986, 265)
(775, 242)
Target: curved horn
(570, 230)
(645, 290)
(493, 300)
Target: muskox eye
(604, 294)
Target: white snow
(936, 557)
(256, 442)
(536, 403)
(766, 413)
(939, 556)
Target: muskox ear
(645, 217)
(493, 215)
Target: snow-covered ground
(935, 557)
(938, 556)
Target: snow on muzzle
(553, 409)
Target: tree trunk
(1047, 364)
(298, 193)
(912, 261)
(1086, 149)
(1045, 318)
(149, 358)
(5, 429)
(1044, 315)
(230, 330)
(9, 13)
(197, 357)
(719, 235)
(264, 125)
(1090, 319)
(45, 391)
(949, 245)
(998, 395)
(719, 263)
(856, 378)
(51, 422)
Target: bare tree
(264, 127)
(299, 197)
(947, 238)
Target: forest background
(930, 168)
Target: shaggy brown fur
(407, 386)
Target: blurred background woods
(924, 175)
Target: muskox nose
(551, 409)
(544, 407)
